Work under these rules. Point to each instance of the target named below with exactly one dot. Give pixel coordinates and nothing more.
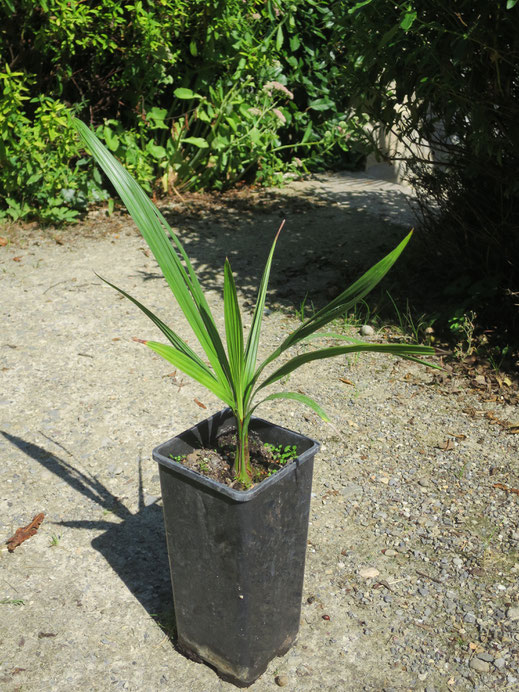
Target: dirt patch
(407, 485)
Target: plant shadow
(331, 236)
(135, 548)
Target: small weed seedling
(462, 326)
(461, 472)
(54, 540)
(304, 307)
(409, 326)
(202, 465)
(166, 621)
(179, 458)
(12, 601)
(497, 357)
(282, 455)
(361, 314)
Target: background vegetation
(187, 94)
(455, 67)
(202, 94)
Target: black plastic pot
(236, 557)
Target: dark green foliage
(187, 93)
(455, 66)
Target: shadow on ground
(329, 239)
(135, 547)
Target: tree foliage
(455, 68)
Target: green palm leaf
(300, 398)
(347, 299)
(176, 340)
(192, 368)
(233, 330)
(154, 229)
(251, 350)
(403, 350)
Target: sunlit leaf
(191, 368)
(300, 398)
(196, 141)
(251, 350)
(233, 330)
(157, 233)
(185, 94)
(403, 350)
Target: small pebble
(512, 613)
(479, 665)
(281, 680)
(486, 657)
(367, 330)
(150, 500)
(499, 663)
(369, 573)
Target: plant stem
(242, 469)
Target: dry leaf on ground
(25, 532)
(446, 446)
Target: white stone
(369, 573)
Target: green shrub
(178, 90)
(41, 172)
(456, 69)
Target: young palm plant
(233, 374)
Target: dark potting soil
(217, 463)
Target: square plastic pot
(236, 557)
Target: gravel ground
(413, 556)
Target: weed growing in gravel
(408, 325)
(462, 326)
(461, 472)
(498, 356)
(305, 308)
(12, 601)
(166, 621)
(359, 315)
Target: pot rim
(221, 488)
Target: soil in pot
(217, 463)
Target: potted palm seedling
(236, 539)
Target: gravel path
(413, 556)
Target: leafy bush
(455, 67)
(41, 169)
(187, 93)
